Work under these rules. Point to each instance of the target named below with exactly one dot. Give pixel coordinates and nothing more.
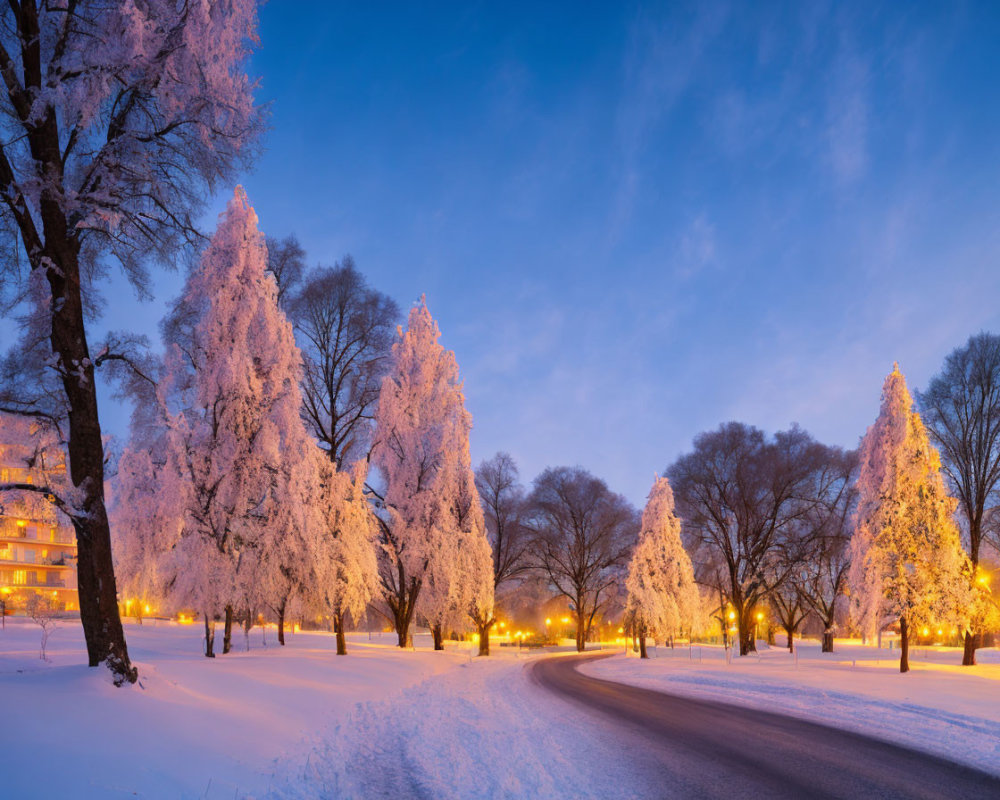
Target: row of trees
(799, 527)
(118, 120)
(227, 505)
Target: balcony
(36, 584)
(7, 557)
(11, 531)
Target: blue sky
(632, 222)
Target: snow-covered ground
(292, 722)
(196, 727)
(939, 706)
(484, 730)
(299, 722)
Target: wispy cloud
(847, 116)
(661, 59)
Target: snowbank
(938, 707)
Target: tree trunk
(580, 632)
(904, 646)
(438, 642)
(281, 622)
(747, 643)
(227, 632)
(98, 592)
(827, 641)
(484, 638)
(642, 642)
(209, 636)
(790, 633)
(402, 605)
(971, 643)
(338, 623)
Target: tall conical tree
(430, 511)
(907, 561)
(238, 461)
(662, 595)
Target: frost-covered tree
(115, 116)
(907, 562)
(346, 565)
(460, 575)
(430, 521)
(140, 522)
(238, 457)
(962, 410)
(662, 595)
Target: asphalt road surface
(688, 748)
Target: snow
(939, 707)
(300, 722)
(195, 727)
(484, 730)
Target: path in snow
(707, 749)
(939, 707)
(485, 730)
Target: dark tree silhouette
(583, 534)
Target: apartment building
(37, 549)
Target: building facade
(38, 552)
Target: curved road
(697, 748)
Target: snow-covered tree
(459, 581)
(115, 116)
(662, 595)
(239, 459)
(141, 522)
(907, 562)
(346, 565)
(962, 409)
(431, 524)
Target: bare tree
(961, 408)
(42, 615)
(739, 492)
(502, 498)
(583, 534)
(286, 261)
(346, 330)
(788, 602)
(822, 574)
(114, 116)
